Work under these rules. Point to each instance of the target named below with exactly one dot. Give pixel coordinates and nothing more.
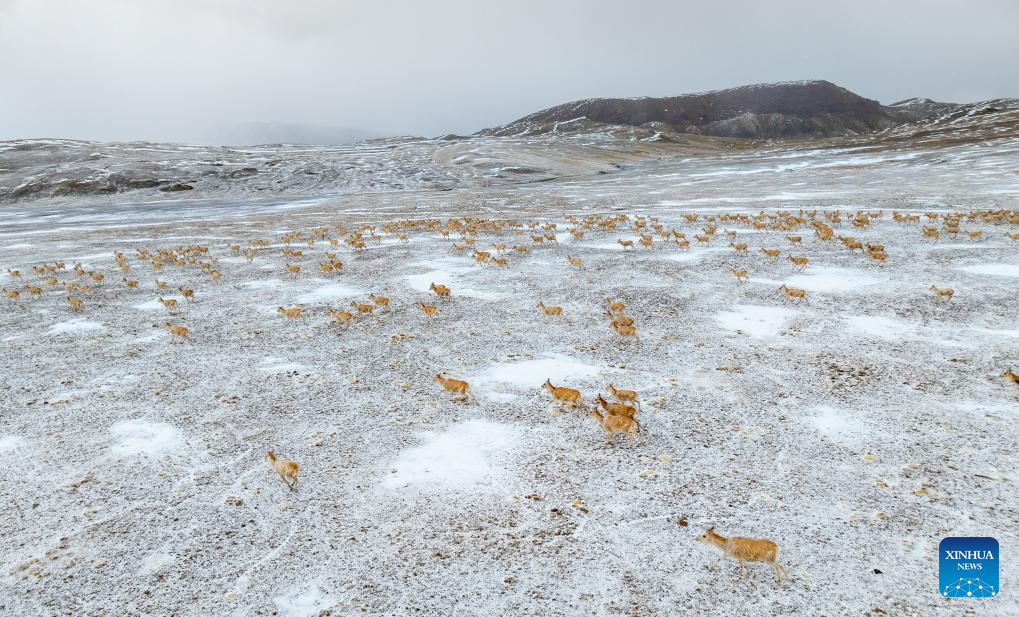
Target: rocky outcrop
(766, 111)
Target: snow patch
(75, 326)
(456, 459)
(144, 438)
(756, 321)
(530, 374)
(306, 601)
(10, 443)
(992, 269)
(332, 291)
(826, 280)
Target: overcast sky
(180, 70)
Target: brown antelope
(794, 239)
(741, 274)
(363, 308)
(454, 386)
(380, 301)
(621, 320)
(575, 261)
(521, 248)
(551, 310)
(878, 256)
(626, 244)
(875, 247)
(702, 238)
(429, 309)
(741, 247)
(625, 331)
(683, 243)
(440, 290)
(180, 332)
(12, 294)
(773, 253)
(615, 307)
(169, 303)
(293, 268)
(646, 240)
(799, 263)
(34, 291)
(616, 409)
(975, 235)
(793, 292)
(189, 294)
(1011, 376)
(501, 262)
(625, 396)
(15, 274)
(744, 550)
(291, 313)
(131, 283)
(943, 292)
(160, 284)
(481, 256)
(1013, 236)
(326, 266)
(343, 317)
(499, 247)
(562, 395)
(286, 468)
(75, 303)
(616, 424)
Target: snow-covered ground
(855, 430)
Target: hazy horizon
(187, 71)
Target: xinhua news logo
(968, 567)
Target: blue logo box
(968, 567)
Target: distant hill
(260, 133)
(763, 111)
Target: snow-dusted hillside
(856, 429)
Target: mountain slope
(764, 111)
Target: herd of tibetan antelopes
(321, 245)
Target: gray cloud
(183, 69)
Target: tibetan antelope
(551, 310)
(615, 307)
(1011, 376)
(625, 331)
(362, 308)
(440, 290)
(180, 332)
(744, 550)
(799, 263)
(189, 294)
(740, 247)
(773, 253)
(616, 409)
(740, 273)
(626, 244)
(343, 317)
(286, 468)
(380, 301)
(562, 395)
(169, 303)
(575, 261)
(454, 386)
(616, 424)
(75, 303)
(625, 396)
(943, 292)
(429, 309)
(292, 312)
(793, 292)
